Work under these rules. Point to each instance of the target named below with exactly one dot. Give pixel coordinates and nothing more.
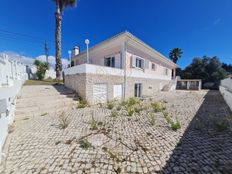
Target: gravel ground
(127, 144)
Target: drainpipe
(125, 66)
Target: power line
(21, 36)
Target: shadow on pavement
(206, 145)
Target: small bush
(82, 104)
(110, 105)
(175, 125)
(63, 121)
(93, 123)
(84, 144)
(157, 107)
(152, 118)
(221, 126)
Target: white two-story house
(118, 68)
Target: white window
(165, 71)
(138, 89)
(109, 61)
(153, 66)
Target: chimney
(76, 51)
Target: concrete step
(47, 107)
(43, 102)
(44, 113)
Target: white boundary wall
(226, 91)
(12, 76)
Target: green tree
(175, 54)
(60, 6)
(206, 68)
(41, 69)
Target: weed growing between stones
(110, 105)
(221, 126)
(157, 107)
(83, 104)
(44, 114)
(84, 144)
(114, 113)
(93, 123)
(152, 118)
(63, 121)
(174, 125)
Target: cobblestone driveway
(126, 144)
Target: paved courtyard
(93, 140)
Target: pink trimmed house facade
(118, 68)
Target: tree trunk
(58, 67)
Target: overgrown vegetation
(41, 69)
(93, 123)
(85, 144)
(114, 113)
(157, 107)
(175, 125)
(63, 121)
(152, 118)
(82, 104)
(110, 105)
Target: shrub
(41, 69)
(63, 121)
(157, 107)
(84, 144)
(82, 104)
(152, 118)
(110, 105)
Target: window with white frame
(109, 61)
(153, 66)
(165, 71)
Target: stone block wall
(83, 85)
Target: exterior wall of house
(77, 82)
(83, 84)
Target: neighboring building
(118, 68)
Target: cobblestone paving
(126, 144)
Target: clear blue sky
(199, 27)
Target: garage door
(99, 93)
(118, 92)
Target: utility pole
(46, 50)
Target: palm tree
(175, 54)
(60, 6)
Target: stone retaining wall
(83, 84)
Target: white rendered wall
(12, 76)
(226, 91)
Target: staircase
(171, 86)
(42, 100)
